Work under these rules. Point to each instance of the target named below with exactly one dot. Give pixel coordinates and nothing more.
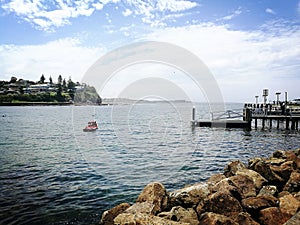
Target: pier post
(255, 123)
(193, 122)
(287, 123)
(270, 123)
(278, 124)
(193, 113)
(263, 123)
(293, 125)
(297, 121)
(248, 117)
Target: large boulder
(295, 220)
(189, 196)
(254, 204)
(270, 190)
(232, 167)
(284, 170)
(225, 185)
(293, 184)
(214, 179)
(156, 194)
(289, 204)
(263, 168)
(109, 215)
(210, 218)
(141, 207)
(221, 203)
(258, 179)
(273, 216)
(244, 218)
(244, 184)
(289, 156)
(180, 214)
(143, 219)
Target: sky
(246, 45)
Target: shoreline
(266, 191)
(35, 103)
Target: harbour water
(51, 172)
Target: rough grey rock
(268, 190)
(254, 204)
(273, 216)
(293, 184)
(289, 204)
(210, 218)
(258, 179)
(244, 184)
(232, 167)
(295, 220)
(141, 207)
(189, 196)
(109, 215)
(156, 194)
(143, 219)
(180, 214)
(221, 203)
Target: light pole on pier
(256, 99)
(277, 94)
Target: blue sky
(247, 45)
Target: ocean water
(51, 172)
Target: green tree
(59, 88)
(42, 79)
(71, 88)
(13, 80)
(50, 80)
(64, 85)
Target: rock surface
(180, 214)
(264, 192)
(156, 194)
(109, 215)
(273, 216)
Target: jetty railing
(288, 115)
(228, 114)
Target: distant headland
(18, 91)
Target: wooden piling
(287, 123)
(194, 114)
(293, 125)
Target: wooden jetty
(286, 116)
(280, 113)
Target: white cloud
(232, 15)
(175, 6)
(47, 17)
(127, 12)
(64, 56)
(270, 11)
(244, 60)
(151, 11)
(98, 6)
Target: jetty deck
(265, 115)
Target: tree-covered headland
(48, 91)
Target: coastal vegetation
(20, 91)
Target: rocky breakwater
(266, 191)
